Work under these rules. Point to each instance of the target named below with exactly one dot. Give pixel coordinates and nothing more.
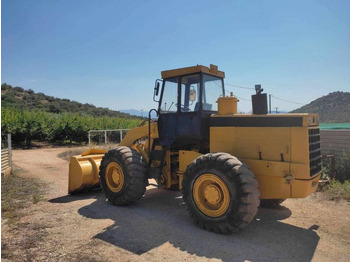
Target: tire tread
(247, 196)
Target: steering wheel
(185, 109)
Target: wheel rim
(114, 177)
(211, 195)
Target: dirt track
(85, 227)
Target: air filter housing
(259, 102)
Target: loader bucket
(84, 170)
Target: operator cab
(187, 99)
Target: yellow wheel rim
(211, 195)
(114, 177)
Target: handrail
(149, 130)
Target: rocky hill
(19, 98)
(332, 108)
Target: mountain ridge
(332, 108)
(19, 98)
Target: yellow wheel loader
(225, 163)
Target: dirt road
(85, 227)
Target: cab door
(188, 126)
(168, 110)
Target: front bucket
(84, 170)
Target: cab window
(212, 90)
(169, 99)
(190, 86)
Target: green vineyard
(26, 126)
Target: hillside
(332, 108)
(19, 98)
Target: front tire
(221, 193)
(123, 176)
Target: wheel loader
(224, 163)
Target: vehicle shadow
(161, 217)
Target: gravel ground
(84, 227)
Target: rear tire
(123, 176)
(221, 193)
(270, 203)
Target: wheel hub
(212, 194)
(114, 177)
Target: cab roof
(213, 70)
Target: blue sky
(109, 53)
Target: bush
(337, 190)
(5, 86)
(18, 89)
(342, 167)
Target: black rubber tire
(270, 203)
(135, 175)
(242, 186)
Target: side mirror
(192, 95)
(156, 90)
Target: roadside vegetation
(26, 126)
(339, 187)
(79, 150)
(337, 190)
(17, 193)
(72, 152)
(31, 116)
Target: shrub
(342, 167)
(338, 190)
(19, 89)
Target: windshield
(169, 99)
(212, 90)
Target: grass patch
(17, 193)
(337, 190)
(72, 152)
(79, 150)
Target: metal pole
(121, 135)
(89, 140)
(9, 145)
(106, 139)
(270, 103)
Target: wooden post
(332, 157)
(121, 135)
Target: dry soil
(85, 227)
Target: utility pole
(270, 103)
(141, 112)
(276, 109)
